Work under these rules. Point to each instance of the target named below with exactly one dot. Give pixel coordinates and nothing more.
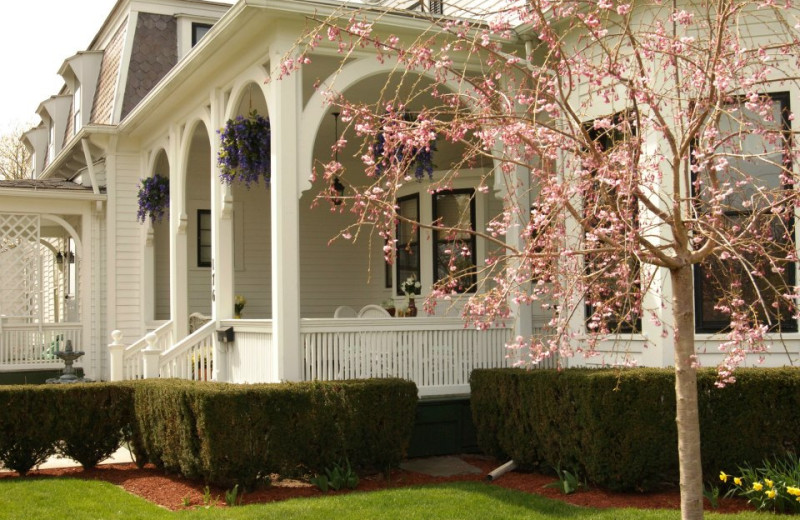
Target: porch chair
(373, 311)
(344, 311)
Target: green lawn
(54, 499)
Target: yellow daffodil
(770, 484)
(758, 486)
(737, 481)
(723, 476)
(771, 493)
(794, 491)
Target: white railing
(32, 344)
(133, 359)
(249, 358)
(438, 354)
(193, 357)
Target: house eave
(53, 194)
(73, 151)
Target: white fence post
(151, 357)
(116, 353)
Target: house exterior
(148, 97)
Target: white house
(148, 97)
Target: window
(454, 251)
(198, 31)
(437, 6)
(51, 145)
(407, 262)
(613, 296)
(203, 238)
(76, 109)
(755, 162)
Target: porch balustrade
(438, 354)
(33, 345)
(133, 356)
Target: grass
(67, 499)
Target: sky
(36, 36)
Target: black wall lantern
(337, 188)
(65, 255)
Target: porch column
(222, 268)
(178, 221)
(515, 190)
(149, 275)
(93, 365)
(285, 102)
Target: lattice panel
(20, 262)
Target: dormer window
(51, 144)
(198, 31)
(77, 122)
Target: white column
(284, 101)
(222, 239)
(149, 274)
(92, 367)
(116, 351)
(515, 190)
(178, 221)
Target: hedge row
(236, 434)
(84, 422)
(617, 428)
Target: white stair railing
(133, 355)
(193, 357)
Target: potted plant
(411, 287)
(238, 306)
(153, 198)
(389, 306)
(244, 153)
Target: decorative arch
(317, 109)
(242, 88)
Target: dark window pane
(407, 260)
(454, 251)
(198, 31)
(203, 238)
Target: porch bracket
(87, 153)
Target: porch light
(65, 255)
(337, 188)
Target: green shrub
(84, 422)
(617, 427)
(236, 434)
(28, 431)
(92, 419)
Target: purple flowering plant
(153, 198)
(244, 154)
(420, 158)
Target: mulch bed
(174, 492)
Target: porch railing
(192, 358)
(31, 345)
(438, 354)
(250, 357)
(133, 357)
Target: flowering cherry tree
(642, 148)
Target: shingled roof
(44, 184)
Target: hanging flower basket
(153, 198)
(421, 158)
(244, 154)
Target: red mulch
(171, 491)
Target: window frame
(473, 243)
(418, 271)
(710, 326)
(614, 325)
(198, 26)
(77, 102)
(201, 213)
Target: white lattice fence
(20, 264)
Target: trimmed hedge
(617, 428)
(84, 422)
(235, 434)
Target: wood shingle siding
(103, 106)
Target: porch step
(31, 377)
(443, 427)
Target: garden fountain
(68, 375)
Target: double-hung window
(407, 261)
(454, 251)
(760, 272)
(613, 292)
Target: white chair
(373, 311)
(345, 312)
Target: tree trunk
(687, 418)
